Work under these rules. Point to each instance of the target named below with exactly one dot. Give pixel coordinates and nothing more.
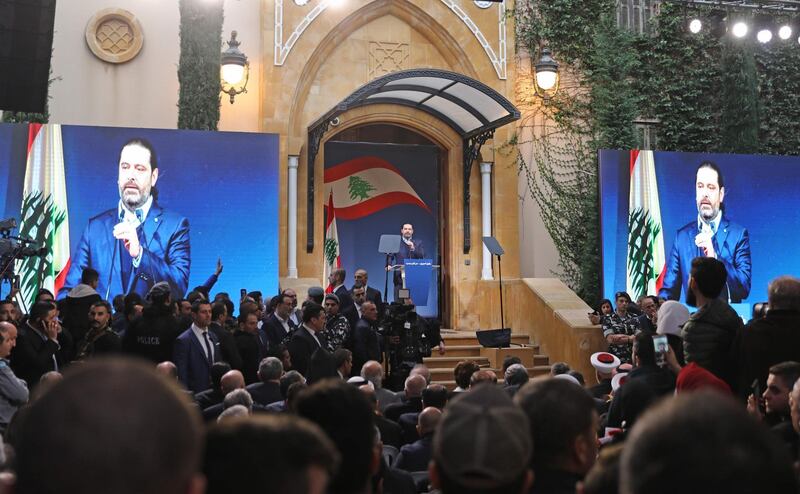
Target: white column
(291, 243)
(486, 216)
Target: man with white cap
(604, 364)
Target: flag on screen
(332, 258)
(43, 215)
(646, 258)
(366, 185)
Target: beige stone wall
(142, 92)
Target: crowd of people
(160, 395)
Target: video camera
(407, 340)
(12, 248)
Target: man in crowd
(771, 339)
(279, 327)
(231, 381)
(649, 317)
(152, 336)
(295, 314)
(100, 339)
(514, 378)
(564, 425)
(703, 442)
(433, 396)
(196, 349)
(711, 235)
(308, 338)
(301, 459)
(482, 445)
(619, 328)
(213, 395)
(8, 312)
(337, 328)
(415, 457)
(98, 397)
(709, 333)
(229, 352)
(251, 344)
(604, 365)
(372, 371)
(413, 400)
(389, 430)
(74, 307)
(366, 343)
(346, 306)
(342, 411)
(13, 390)
(359, 297)
(361, 277)
(343, 360)
(776, 403)
(149, 243)
(42, 346)
(268, 389)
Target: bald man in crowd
(415, 457)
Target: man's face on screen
(709, 194)
(136, 176)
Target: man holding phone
(42, 345)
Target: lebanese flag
(43, 214)
(331, 250)
(366, 185)
(646, 258)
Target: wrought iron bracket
(472, 147)
(315, 135)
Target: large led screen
(659, 210)
(140, 206)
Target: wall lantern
(235, 69)
(546, 75)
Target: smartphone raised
(662, 348)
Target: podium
(418, 279)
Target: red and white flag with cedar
(646, 257)
(331, 250)
(43, 215)
(365, 185)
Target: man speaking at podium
(711, 234)
(409, 249)
(136, 244)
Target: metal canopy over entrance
(469, 107)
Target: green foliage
(739, 122)
(199, 65)
(708, 94)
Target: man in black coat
(412, 402)
(415, 457)
(227, 345)
(279, 326)
(366, 343)
(251, 344)
(771, 339)
(42, 345)
(268, 390)
(152, 336)
(307, 338)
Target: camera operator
(409, 339)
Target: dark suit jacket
(376, 298)
(415, 457)
(194, 369)
(252, 349)
(165, 240)
(33, 356)
(732, 245)
(366, 345)
(274, 330)
(408, 426)
(390, 431)
(74, 312)
(410, 405)
(406, 253)
(265, 393)
(347, 307)
(228, 348)
(211, 396)
(301, 347)
(763, 343)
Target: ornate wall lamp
(546, 76)
(235, 69)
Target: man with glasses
(279, 326)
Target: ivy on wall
(707, 93)
(199, 65)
